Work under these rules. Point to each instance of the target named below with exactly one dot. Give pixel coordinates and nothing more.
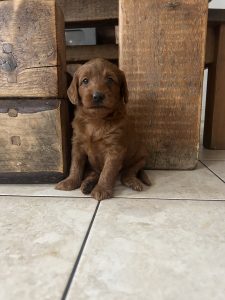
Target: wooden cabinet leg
(214, 130)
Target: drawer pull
(15, 140)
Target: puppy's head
(99, 87)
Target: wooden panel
(84, 53)
(105, 35)
(90, 10)
(216, 16)
(31, 49)
(210, 45)
(117, 34)
(61, 4)
(33, 139)
(164, 70)
(214, 137)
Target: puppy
(104, 143)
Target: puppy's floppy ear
(123, 87)
(72, 91)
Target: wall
(217, 4)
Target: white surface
(217, 4)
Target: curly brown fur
(103, 134)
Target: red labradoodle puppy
(104, 142)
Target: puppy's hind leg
(134, 176)
(90, 181)
(143, 177)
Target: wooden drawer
(33, 140)
(32, 50)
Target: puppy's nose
(98, 97)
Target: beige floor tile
(193, 184)
(217, 166)
(206, 154)
(39, 242)
(37, 190)
(154, 250)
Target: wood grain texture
(162, 51)
(61, 4)
(34, 139)
(214, 137)
(90, 10)
(84, 53)
(31, 49)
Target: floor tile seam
(77, 261)
(170, 199)
(211, 159)
(116, 197)
(202, 162)
(43, 196)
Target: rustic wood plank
(31, 49)
(84, 53)
(164, 72)
(214, 137)
(61, 4)
(90, 10)
(61, 51)
(117, 34)
(33, 138)
(30, 177)
(34, 82)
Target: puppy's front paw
(100, 193)
(67, 184)
(133, 183)
(87, 186)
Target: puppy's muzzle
(98, 98)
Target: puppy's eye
(110, 79)
(85, 81)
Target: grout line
(171, 199)
(45, 196)
(165, 199)
(211, 171)
(115, 197)
(73, 272)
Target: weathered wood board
(33, 140)
(84, 53)
(162, 51)
(90, 10)
(32, 51)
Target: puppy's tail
(144, 177)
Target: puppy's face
(99, 87)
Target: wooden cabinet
(32, 53)
(33, 104)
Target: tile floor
(167, 242)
